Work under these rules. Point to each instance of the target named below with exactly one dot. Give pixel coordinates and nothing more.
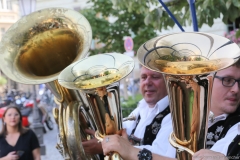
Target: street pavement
(50, 141)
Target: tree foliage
(206, 11)
(139, 19)
(3, 80)
(111, 34)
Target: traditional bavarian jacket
(221, 132)
(228, 140)
(153, 126)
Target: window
(9, 5)
(5, 4)
(234, 25)
(1, 4)
(2, 30)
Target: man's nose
(236, 87)
(148, 81)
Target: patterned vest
(219, 129)
(234, 149)
(151, 130)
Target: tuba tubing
(99, 82)
(188, 60)
(35, 50)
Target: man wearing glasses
(223, 125)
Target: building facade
(9, 14)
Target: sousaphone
(35, 50)
(98, 78)
(188, 61)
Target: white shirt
(161, 144)
(214, 120)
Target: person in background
(222, 127)
(16, 141)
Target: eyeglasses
(228, 82)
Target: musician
(223, 126)
(152, 125)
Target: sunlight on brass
(189, 53)
(188, 61)
(35, 50)
(99, 136)
(191, 67)
(180, 148)
(96, 71)
(110, 156)
(40, 45)
(98, 78)
(97, 81)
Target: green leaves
(110, 34)
(228, 4)
(141, 19)
(206, 10)
(238, 34)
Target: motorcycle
(25, 114)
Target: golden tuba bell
(98, 78)
(35, 50)
(187, 61)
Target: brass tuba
(98, 78)
(35, 50)
(187, 61)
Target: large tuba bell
(35, 50)
(98, 78)
(188, 61)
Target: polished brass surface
(188, 61)
(98, 78)
(35, 50)
(179, 147)
(40, 45)
(196, 54)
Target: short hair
(21, 128)
(237, 63)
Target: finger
(15, 157)
(89, 131)
(12, 153)
(119, 132)
(124, 134)
(83, 143)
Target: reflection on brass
(183, 143)
(188, 61)
(179, 147)
(110, 156)
(62, 137)
(35, 50)
(55, 113)
(99, 81)
(189, 67)
(31, 46)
